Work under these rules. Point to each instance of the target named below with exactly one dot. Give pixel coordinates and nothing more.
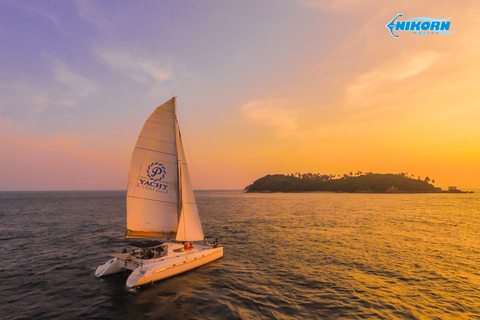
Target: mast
(179, 160)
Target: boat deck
(170, 251)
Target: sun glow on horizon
(280, 87)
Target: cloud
(80, 86)
(140, 70)
(278, 113)
(29, 97)
(335, 5)
(32, 161)
(4, 126)
(355, 6)
(91, 12)
(159, 76)
(35, 10)
(393, 71)
(23, 98)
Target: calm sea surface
(287, 256)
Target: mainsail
(160, 199)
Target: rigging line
(191, 163)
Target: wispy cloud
(21, 97)
(90, 11)
(45, 161)
(4, 126)
(27, 97)
(139, 69)
(335, 5)
(157, 75)
(373, 81)
(35, 10)
(280, 114)
(79, 85)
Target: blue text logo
(419, 25)
(152, 185)
(156, 171)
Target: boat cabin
(150, 249)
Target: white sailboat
(161, 204)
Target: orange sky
(389, 105)
(279, 87)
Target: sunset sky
(263, 87)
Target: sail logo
(156, 171)
(152, 185)
(420, 25)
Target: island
(354, 183)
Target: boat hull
(112, 266)
(151, 270)
(158, 271)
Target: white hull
(150, 270)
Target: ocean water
(287, 256)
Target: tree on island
(360, 182)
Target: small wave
(6, 239)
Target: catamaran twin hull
(161, 204)
(149, 270)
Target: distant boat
(161, 204)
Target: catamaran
(161, 205)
